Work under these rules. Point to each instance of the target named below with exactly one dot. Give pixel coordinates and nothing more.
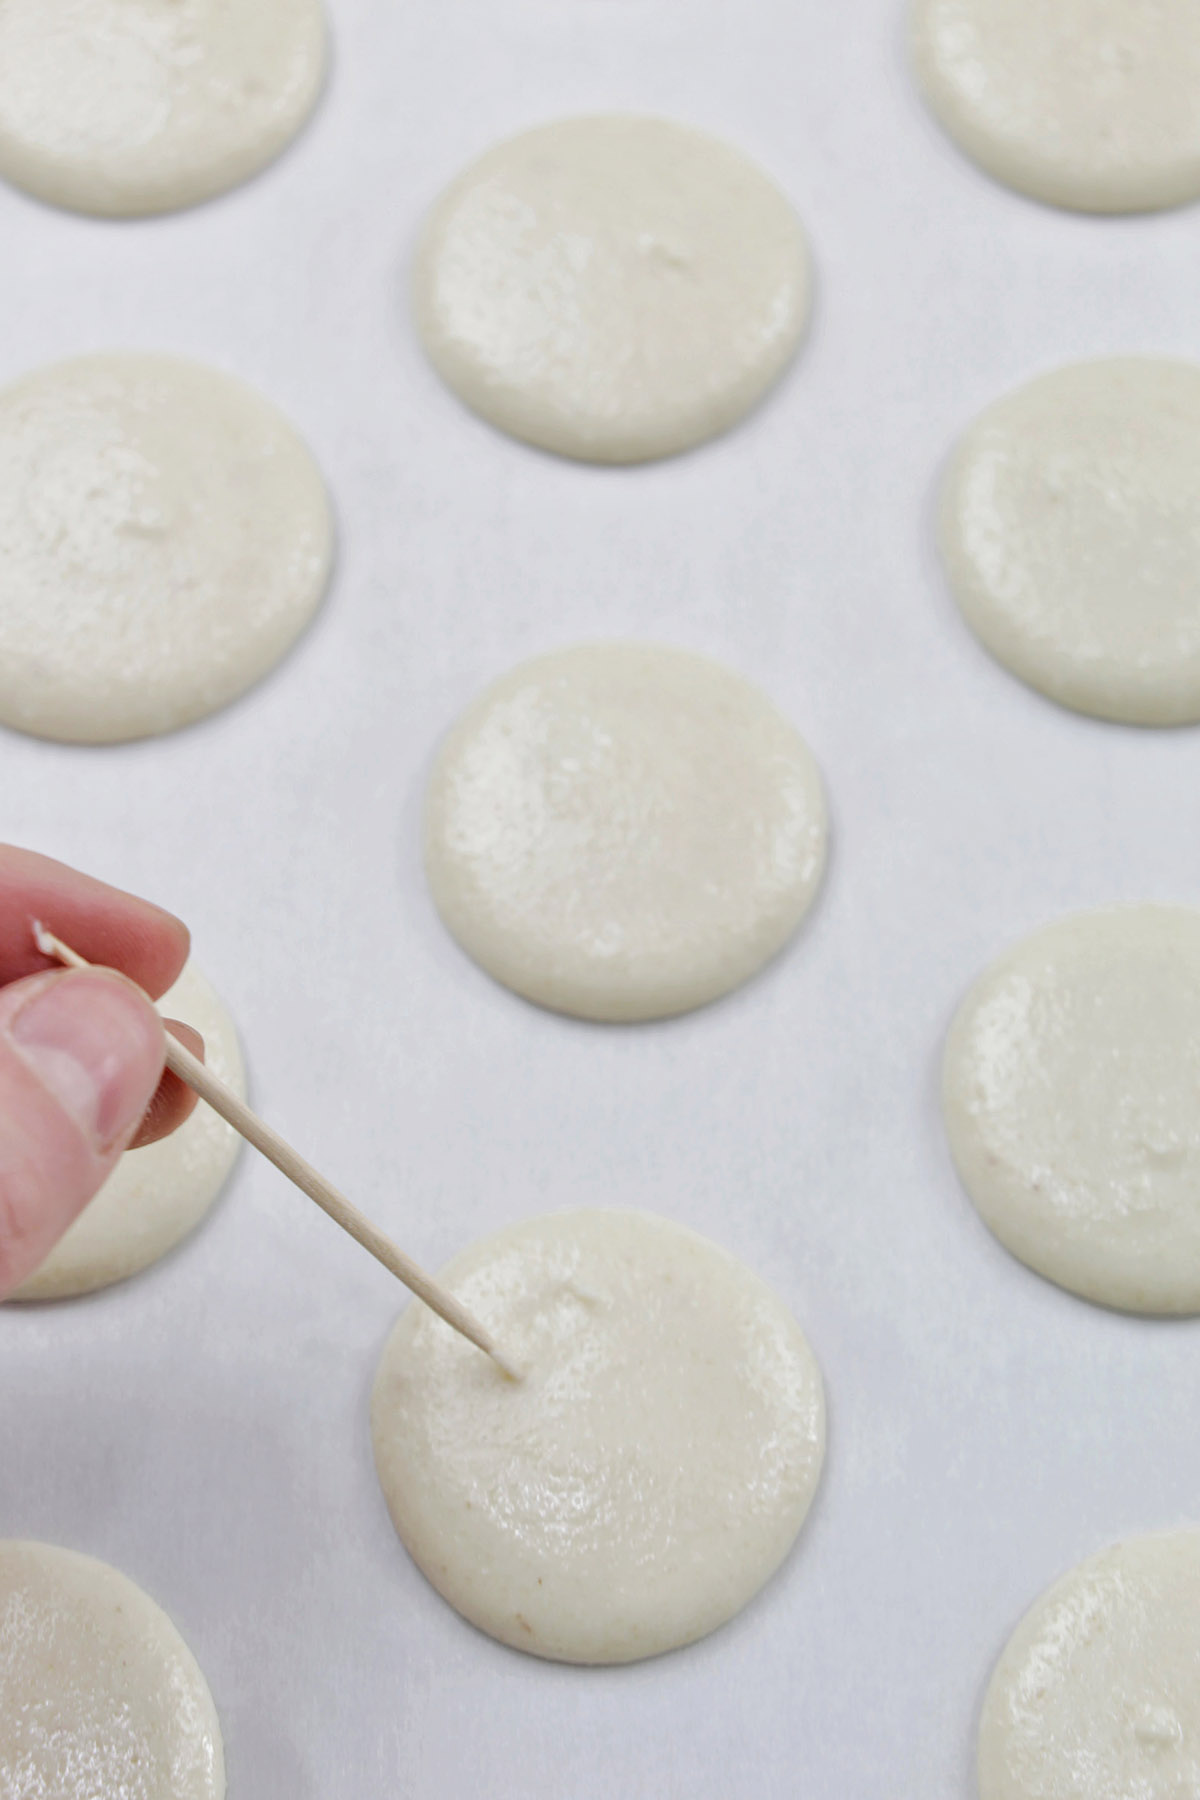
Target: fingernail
(85, 1037)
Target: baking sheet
(205, 1426)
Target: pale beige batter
(1070, 531)
(140, 106)
(1097, 1694)
(1082, 103)
(100, 1698)
(612, 288)
(166, 538)
(624, 831)
(1071, 1078)
(650, 1471)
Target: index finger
(103, 924)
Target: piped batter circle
(126, 107)
(1070, 532)
(167, 537)
(99, 1694)
(623, 831)
(647, 1475)
(1089, 104)
(1070, 1085)
(1096, 1693)
(612, 288)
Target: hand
(81, 1051)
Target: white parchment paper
(205, 1427)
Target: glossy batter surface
(1070, 531)
(156, 1195)
(648, 1474)
(123, 107)
(164, 539)
(100, 1698)
(613, 288)
(1097, 1694)
(623, 831)
(1089, 104)
(1071, 1078)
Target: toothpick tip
(506, 1366)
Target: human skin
(82, 1076)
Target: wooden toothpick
(289, 1162)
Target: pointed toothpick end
(505, 1364)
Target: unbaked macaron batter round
(1090, 104)
(1071, 1077)
(165, 537)
(156, 1195)
(99, 1694)
(1070, 532)
(1096, 1695)
(623, 831)
(124, 107)
(648, 1473)
(612, 288)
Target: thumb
(81, 1053)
